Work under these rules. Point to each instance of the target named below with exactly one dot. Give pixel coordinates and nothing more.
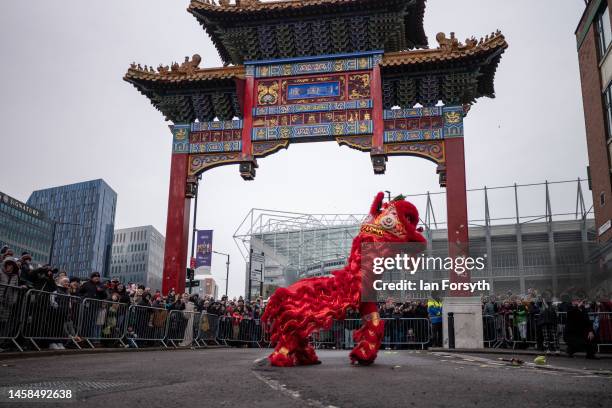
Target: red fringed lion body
(312, 304)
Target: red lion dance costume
(312, 304)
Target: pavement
(242, 378)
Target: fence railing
(102, 321)
(11, 302)
(239, 330)
(208, 328)
(43, 318)
(509, 330)
(399, 332)
(146, 325)
(181, 326)
(50, 317)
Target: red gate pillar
(177, 226)
(456, 206)
(465, 306)
(377, 154)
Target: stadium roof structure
(290, 230)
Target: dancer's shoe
(369, 338)
(281, 358)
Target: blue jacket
(434, 309)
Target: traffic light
(190, 274)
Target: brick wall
(595, 127)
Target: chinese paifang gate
(312, 304)
(301, 71)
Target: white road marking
(281, 388)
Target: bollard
(451, 330)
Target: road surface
(241, 378)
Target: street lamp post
(227, 264)
(194, 230)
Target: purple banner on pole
(204, 248)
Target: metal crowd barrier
(339, 335)
(407, 332)
(207, 329)
(239, 331)
(602, 321)
(266, 328)
(50, 317)
(11, 301)
(47, 317)
(146, 324)
(505, 330)
(182, 326)
(102, 321)
(398, 332)
(496, 330)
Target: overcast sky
(68, 116)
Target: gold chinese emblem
(180, 134)
(285, 133)
(338, 129)
(452, 117)
(267, 94)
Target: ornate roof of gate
(255, 30)
(449, 49)
(455, 73)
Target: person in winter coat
(546, 325)
(43, 278)
(124, 296)
(171, 296)
(188, 317)
(10, 295)
(60, 304)
(26, 270)
(520, 318)
(490, 307)
(93, 311)
(6, 252)
(9, 272)
(93, 288)
(579, 334)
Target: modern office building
(138, 256)
(594, 37)
(25, 229)
(84, 217)
(546, 251)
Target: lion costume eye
(388, 222)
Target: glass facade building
(84, 217)
(25, 229)
(138, 256)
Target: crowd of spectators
(509, 320)
(540, 321)
(20, 272)
(100, 320)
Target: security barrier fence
(399, 332)
(240, 330)
(43, 318)
(11, 300)
(506, 330)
